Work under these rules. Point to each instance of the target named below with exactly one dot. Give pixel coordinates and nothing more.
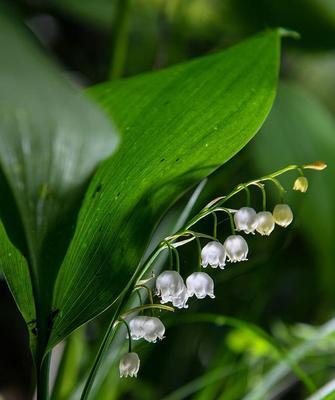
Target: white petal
(245, 219)
(180, 301)
(213, 254)
(129, 365)
(283, 215)
(136, 326)
(200, 284)
(236, 248)
(153, 329)
(169, 284)
(265, 223)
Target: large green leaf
(178, 126)
(51, 140)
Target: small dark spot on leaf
(54, 313)
(162, 160)
(97, 189)
(177, 159)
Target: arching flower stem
(146, 307)
(262, 188)
(199, 253)
(215, 227)
(149, 291)
(139, 296)
(125, 323)
(247, 191)
(176, 258)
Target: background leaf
(51, 140)
(178, 125)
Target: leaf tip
(283, 32)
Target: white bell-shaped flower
(236, 248)
(213, 254)
(283, 215)
(153, 329)
(171, 288)
(200, 284)
(245, 219)
(180, 301)
(129, 365)
(148, 328)
(136, 326)
(265, 223)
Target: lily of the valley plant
(214, 252)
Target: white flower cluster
(171, 288)
(247, 220)
(148, 328)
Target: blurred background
(287, 289)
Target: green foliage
(172, 123)
(47, 156)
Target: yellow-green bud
(317, 165)
(301, 184)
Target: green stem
(247, 191)
(120, 39)
(107, 340)
(110, 333)
(215, 229)
(149, 292)
(124, 322)
(146, 307)
(43, 378)
(262, 188)
(199, 251)
(177, 259)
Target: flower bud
(213, 254)
(283, 215)
(129, 365)
(236, 248)
(171, 288)
(200, 284)
(245, 219)
(301, 184)
(265, 223)
(317, 165)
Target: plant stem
(103, 348)
(120, 39)
(215, 228)
(43, 378)
(148, 306)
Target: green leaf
(178, 126)
(281, 370)
(51, 140)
